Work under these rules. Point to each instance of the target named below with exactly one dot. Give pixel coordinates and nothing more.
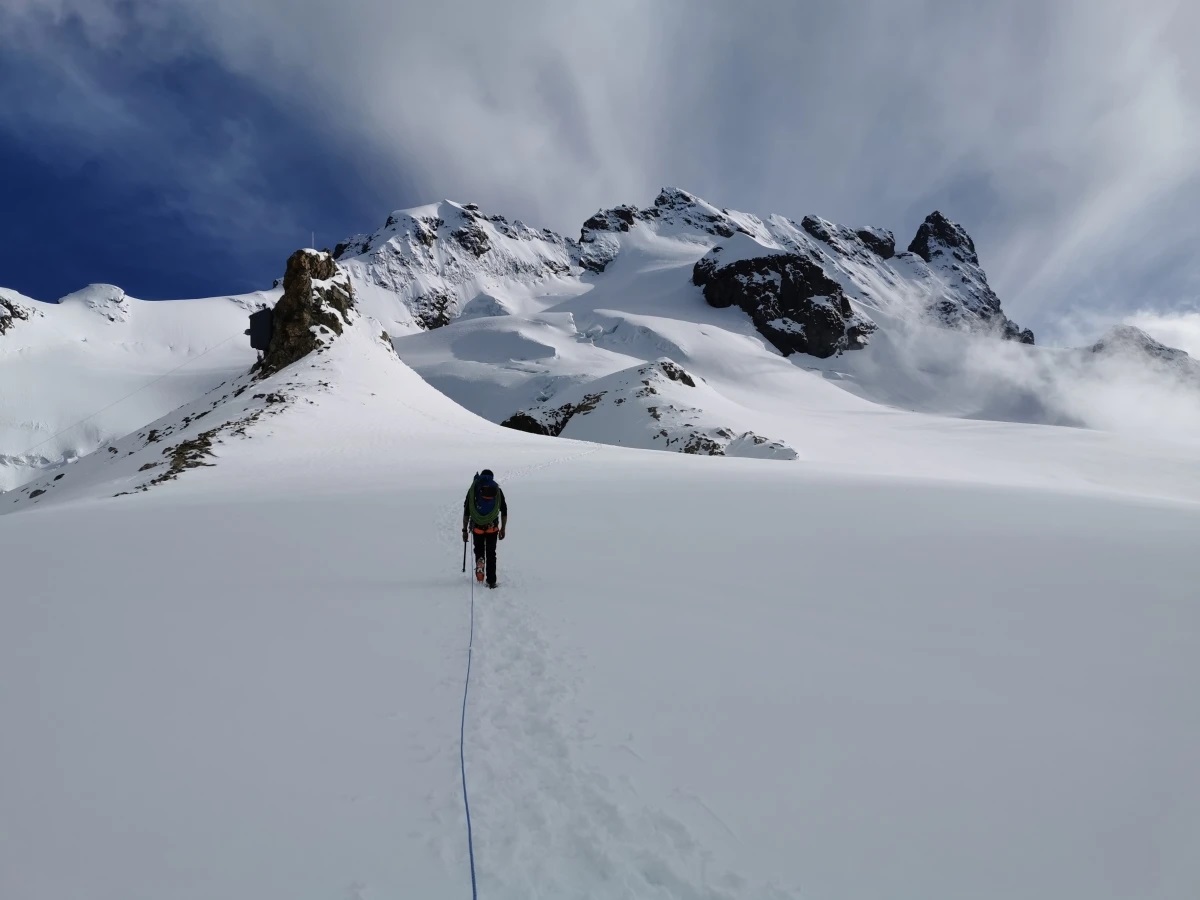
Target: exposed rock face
(649, 406)
(447, 259)
(881, 241)
(949, 251)
(11, 312)
(316, 303)
(851, 243)
(437, 259)
(938, 236)
(792, 302)
(672, 207)
(473, 238)
(551, 420)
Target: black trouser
(485, 547)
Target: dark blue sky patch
(203, 185)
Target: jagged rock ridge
(447, 260)
(970, 303)
(598, 245)
(12, 311)
(438, 258)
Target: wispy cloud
(1175, 329)
(89, 94)
(1065, 136)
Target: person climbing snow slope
(485, 513)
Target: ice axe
(465, 539)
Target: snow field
(730, 678)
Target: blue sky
(185, 149)
(203, 186)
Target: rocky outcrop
(316, 304)
(968, 303)
(791, 300)
(11, 312)
(473, 238)
(850, 243)
(551, 420)
(938, 236)
(657, 406)
(880, 241)
(437, 259)
(672, 207)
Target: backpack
(485, 495)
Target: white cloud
(1065, 136)
(1175, 329)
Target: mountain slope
(99, 364)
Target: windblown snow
(884, 631)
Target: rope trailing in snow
(462, 759)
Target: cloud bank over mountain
(1066, 138)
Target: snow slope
(98, 364)
(935, 676)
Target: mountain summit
(813, 282)
(969, 300)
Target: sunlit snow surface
(931, 658)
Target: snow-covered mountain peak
(939, 237)
(438, 258)
(675, 213)
(1131, 339)
(962, 299)
(1130, 344)
(108, 300)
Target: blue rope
(462, 760)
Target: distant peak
(95, 293)
(673, 197)
(938, 235)
(1125, 339)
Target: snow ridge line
(462, 757)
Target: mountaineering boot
(479, 570)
